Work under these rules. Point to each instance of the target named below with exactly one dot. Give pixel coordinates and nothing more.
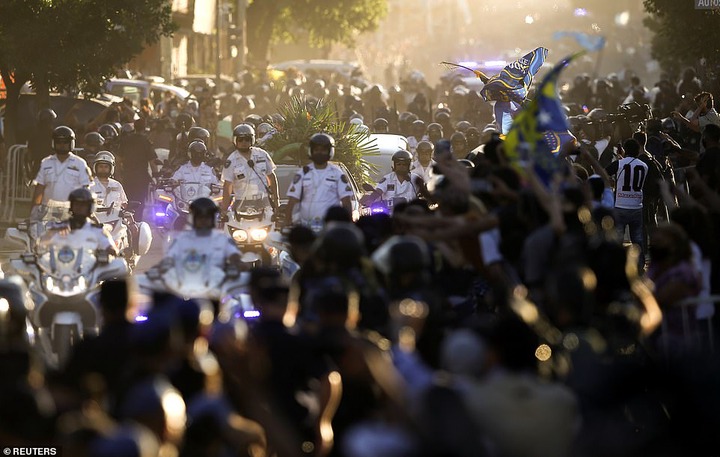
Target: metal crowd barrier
(704, 336)
(14, 188)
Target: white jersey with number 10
(631, 176)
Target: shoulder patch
(296, 178)
(227, 164)
(306, 169)
(344, 178)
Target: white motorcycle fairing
(64, 284)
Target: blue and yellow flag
(540, 129)
(512, 83)
(589, 42)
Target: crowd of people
(491, 313)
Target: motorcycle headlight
(258, 234)
(240, 236)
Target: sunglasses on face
(244, 138)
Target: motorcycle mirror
(367, 187)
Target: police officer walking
(60, 173)
(319, 185)
(249, 172)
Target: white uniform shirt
(61, 178)
(631, 176)
(106, 196)
(413, 142)
(426, 173)
(391, 187)
(88, 237)
(318, 190)
(246, 182)
(202, 174)
(188, 246)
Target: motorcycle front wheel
(64, 338)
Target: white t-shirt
(202, 174)
(61, 178)
(105, 196)
(710, 117)
(247, 182)
(187, 246)
(319, 190)
(631, 176)
(391, 187)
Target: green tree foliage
(683, 34)
(302, 119)
(326, 21)
(73, 44)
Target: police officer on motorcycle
(249, 172)
(196, 170)
(107, 190)
(203, 240)
(80, 230)
(400, 184)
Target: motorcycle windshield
(50, 213)
(251, 209)
(108, 214)
(194, 276)
(65, 269)
(189, 191)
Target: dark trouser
(632, 218)
(137, 192)
(653, 211)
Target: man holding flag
(531, 132)
(509, 88)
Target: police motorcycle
(131, 239)
(117, 220)
(196, 276)
(63, 278)
(174, 199)
(250, 224)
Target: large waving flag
(589, 42)
(512, 83)
(538, 130)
